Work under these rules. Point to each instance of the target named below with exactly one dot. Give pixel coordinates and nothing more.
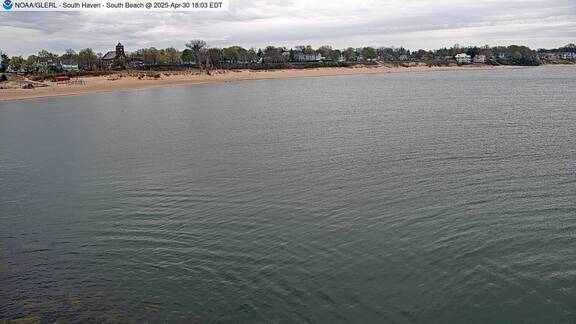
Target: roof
(109, 56)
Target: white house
(463, 58)
(546, 55)
(10, 69)
(480, 59)
(69, 65)
(299, 56)
(567, 55)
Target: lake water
(443, 197)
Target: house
(299, 56)
(566, 56)
(480, 59)
(546, 55)
(109, 58)
(69, 65)
(403, 57)
(11, 69)
(559, 55)
(45, 64)
(463, 58)
(136, 62)
(286, 55)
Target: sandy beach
(139, 80)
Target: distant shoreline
(134, 81)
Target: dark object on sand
(61, 79)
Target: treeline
(196, 53)
(570, 48)
(87, 59)
(504, 55)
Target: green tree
(172, 55)
(30, 63)
(231, 54)
(151, 56)
(473, 51)
(87, 59)
(16, 63)
(522, 55)
(187, 56)
(70, 54)
(243, 54)
(350, 54)
(369, 53)
(400, 51)
(306, 49)
(386, 53)
(4, 61)
(252, 55)
(569, 48)
(325, 51)
(47, 57)
(335, 55)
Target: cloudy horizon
(413, 24)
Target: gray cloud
(410, 23)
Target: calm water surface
(445, 197)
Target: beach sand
(130, 81)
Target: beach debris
(61, 79)
(28, 86)
(153, 75)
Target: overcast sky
(413, 24)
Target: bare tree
(196, 45)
